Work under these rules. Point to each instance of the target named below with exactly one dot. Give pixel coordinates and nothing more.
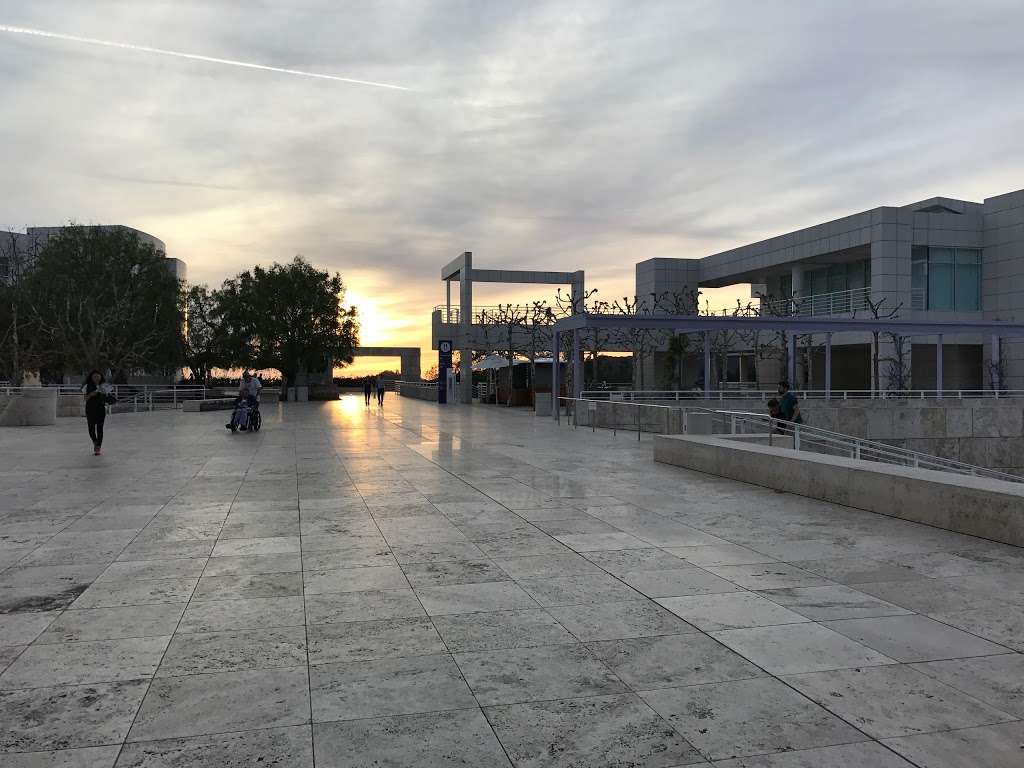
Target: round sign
(445, 346)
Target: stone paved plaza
(476, 587)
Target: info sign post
(444, 363)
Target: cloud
(539, 134)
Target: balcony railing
(824, 304)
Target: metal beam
(555, 384)
(938, 365)
(524, 276)
(699, 323)
(791, 360)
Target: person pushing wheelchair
(248, 393)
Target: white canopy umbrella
(492, 362)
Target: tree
(289, 317)
(877, 311)
(97, 297)
(205, 342)
(16, 340)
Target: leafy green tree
(289, 317)
(97, 297)
(205, 333)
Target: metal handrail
(812, 394)
(805, 438)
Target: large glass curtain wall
(946, 279)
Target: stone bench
(978, 506)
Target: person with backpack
(97, 394)
(789, 406)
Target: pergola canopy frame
(708, 324)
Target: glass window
(837, 278)
(817, 282)
(967, 280)
(940, 278)
(786, 286)
(919, 277)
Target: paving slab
(600, 731)
(243, 613)
(886, 702)
(367, 640)
(290, 746)
(995, 680)
(440, 739)
(401, 686)
(792, 648)
(731, 610)
(68, 716)
(535, 674)
(500, 629)
(222, 702)
(613, 621)
(993, 746)
(915, 638)
(832, 602)
(748, 717)
(96, 661)
(667, 661)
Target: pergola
(708, 324)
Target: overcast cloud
(541, 134)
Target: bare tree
(878, 311)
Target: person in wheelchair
(248, 398)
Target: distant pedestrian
(775, 412)
(381, 388)
(96, 392)
(367, 390)
(789, 406)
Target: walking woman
(381, 388)
(367, 387)
(95, 391)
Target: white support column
(828, 366)
(938, 366)
(448, 301)
(577, 364)
(707, 365)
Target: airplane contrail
(195, 57)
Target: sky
(538, 135)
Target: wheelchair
(246, 417)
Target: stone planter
(34, 407)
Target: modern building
(14, 244)
(938, 259)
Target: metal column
(707, 365)
(555, 414)
(938, 366)
(466, 329)
(577, 365)
(997, 379)
(828, 366)
(791, 363)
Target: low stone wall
(211, 404)
(991, 509)
(419, 393)
(986, 433)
